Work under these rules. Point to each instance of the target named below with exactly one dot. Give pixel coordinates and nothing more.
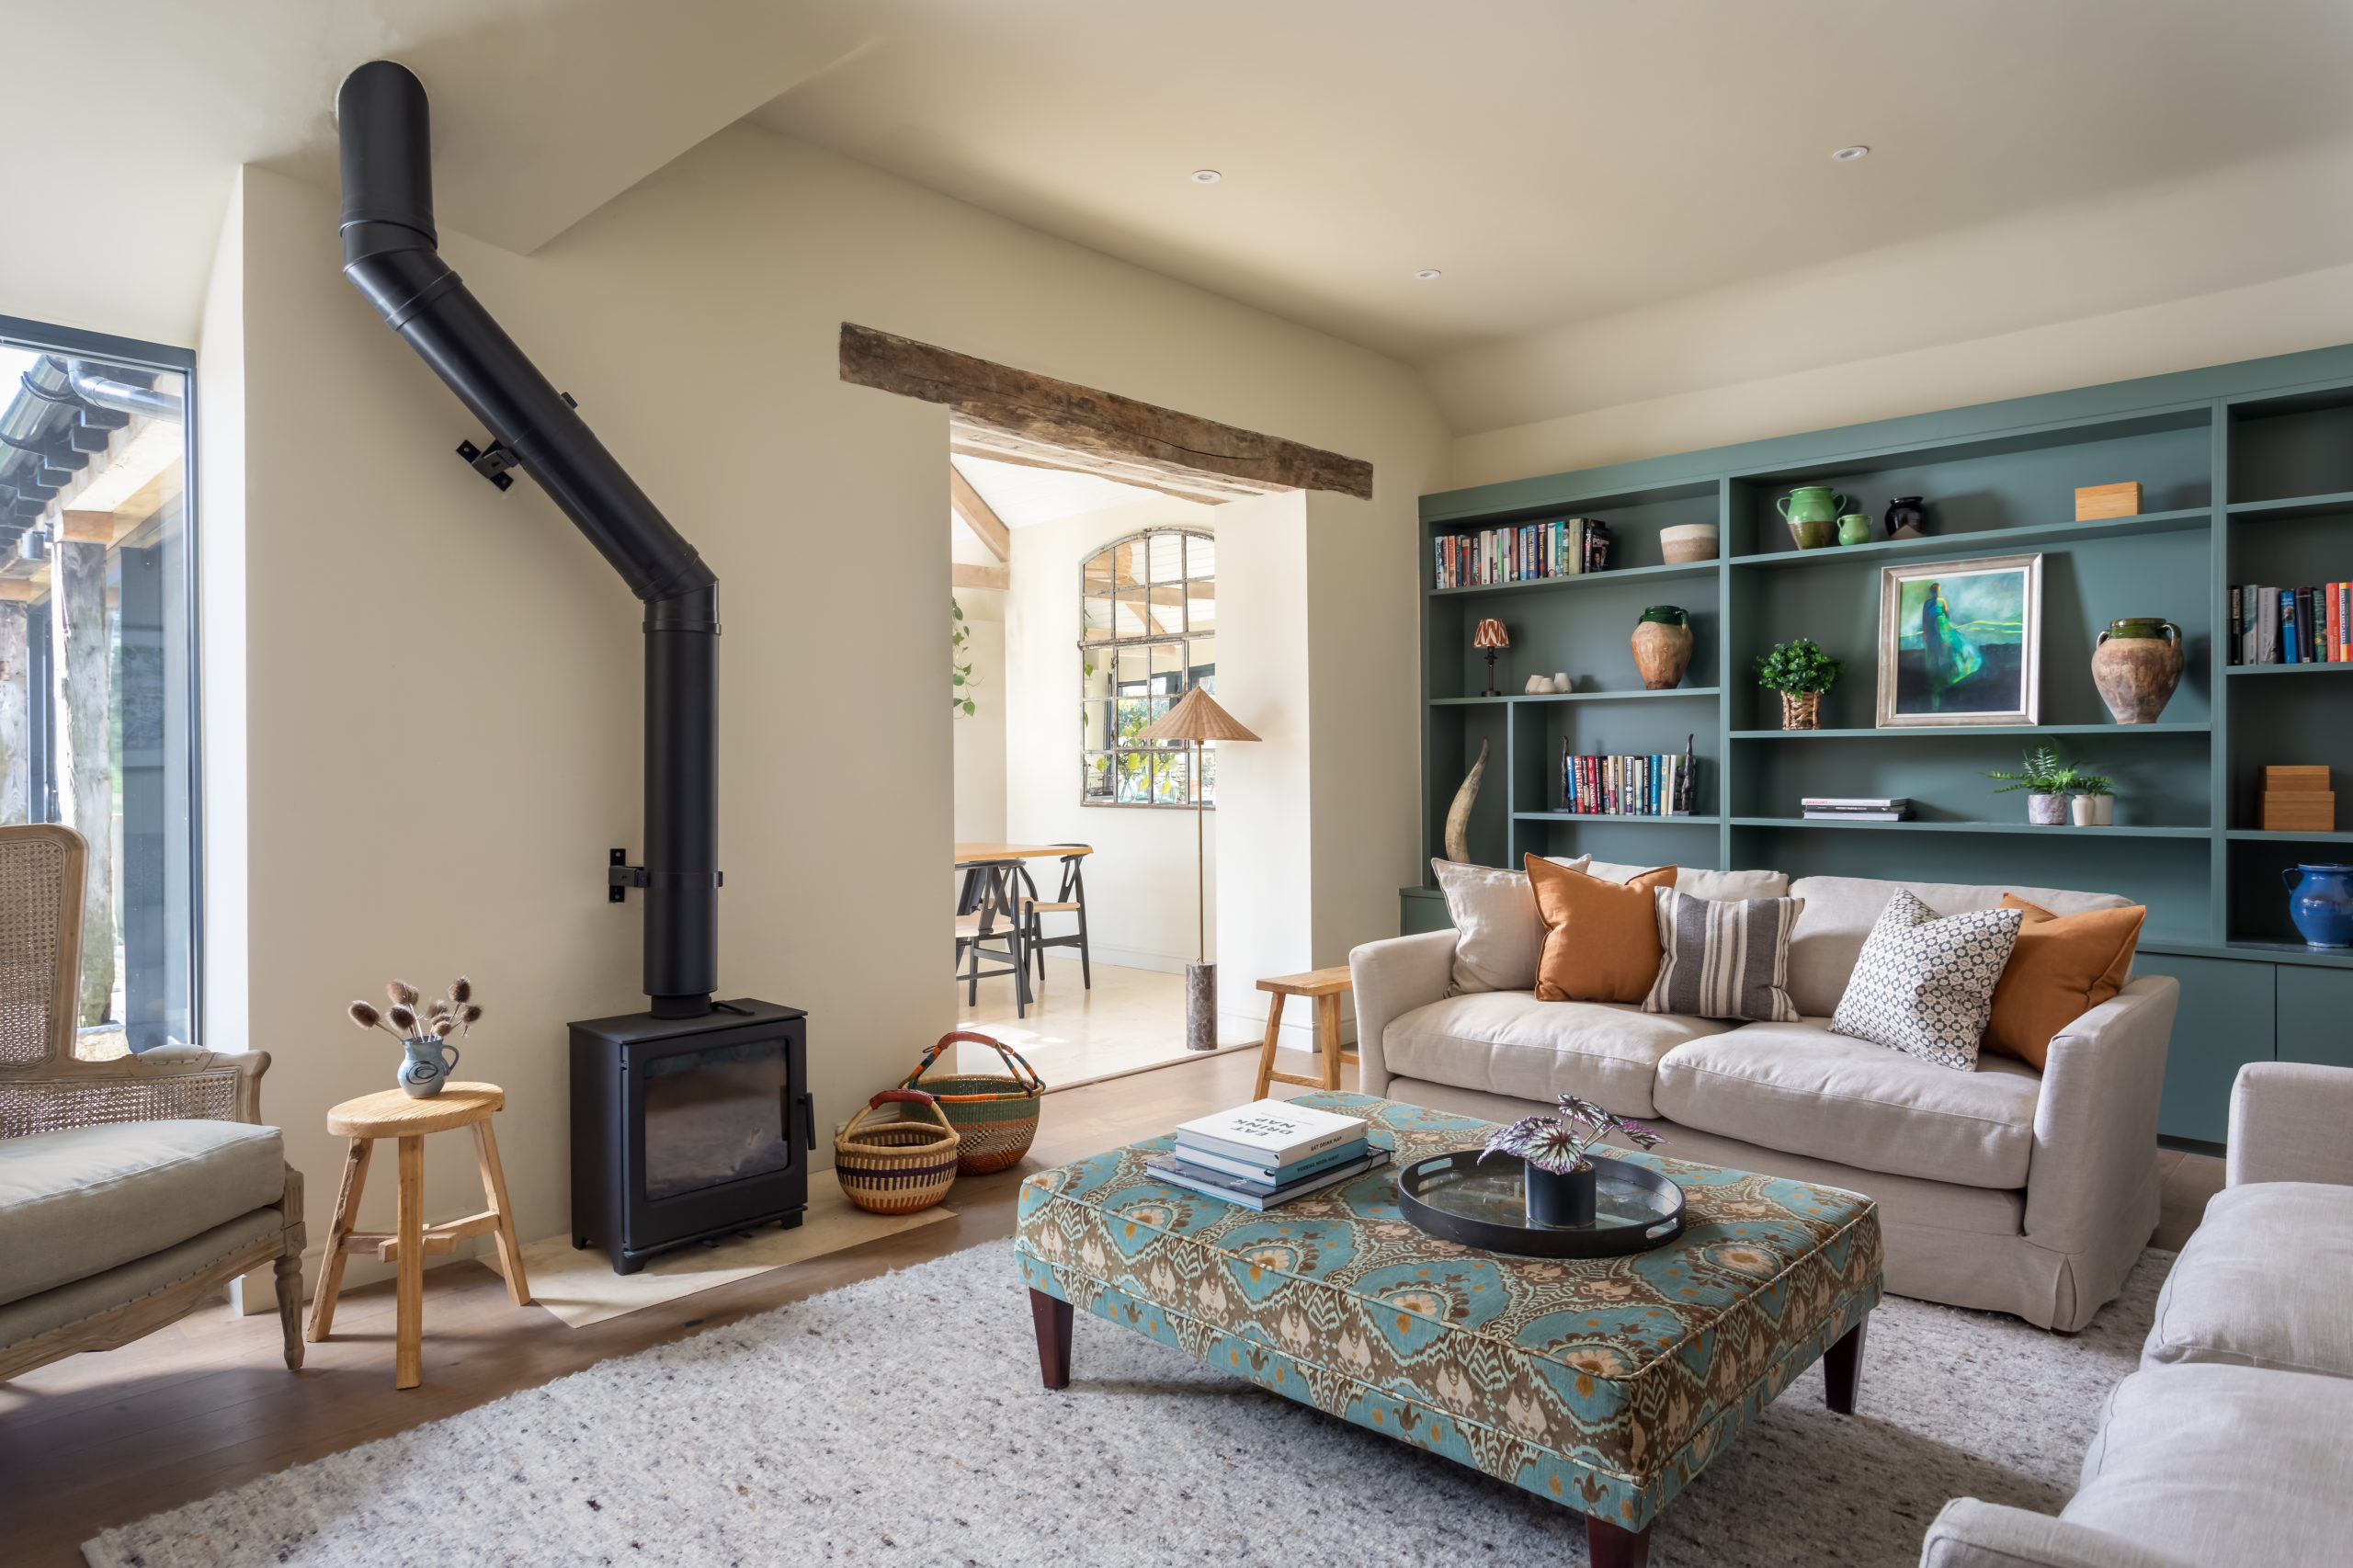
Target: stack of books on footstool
(1267, 1153)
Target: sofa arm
(1970, 1534)
(2289, 1123)
(2094, 1165)
(1392, 978)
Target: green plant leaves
(1798, 667)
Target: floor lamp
(1197, 718)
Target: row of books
(1565, 547)
(2291, 626)
(1857, 807)
(1657, 786)
(1266, 1154)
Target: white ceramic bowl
(1686, 542)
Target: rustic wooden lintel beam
(1083, 421)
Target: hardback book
(2235, 649)
(1854, 802)
(1273, 1134)
(1272, 1176)
(1249, 1195)
(1857, 816)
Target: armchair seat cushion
(2224, 1464)
(1799, 1088)
(2265, 1281)
(85, 1299)
(85, 1199)
(1507, 1042)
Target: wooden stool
(393, 1114)
(1327, 986)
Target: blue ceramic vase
(424, 1071)
(1556, 1200)
(2320, 900)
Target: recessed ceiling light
(1206, 177)
(1427, 273)
(1843, 154)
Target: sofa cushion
(81, 1201)
(2064, 966)
(1702, 884)
(1723, 957)
(1507, 1042)
(1498, 932)
(85, 1299)
(2224, 1464)
(1800, 1087)
(1600, 939)
(1924, 982)
(1841, 911)
(2265, 1281)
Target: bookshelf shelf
(1611, 816)
(2066, 832)
(2296, 508)
(1991, 542)
(1585, 579)
(1526, 698)
(1979, 731)
(2267, 835)
(2286, 669)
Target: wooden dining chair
(1070, 899)
(989, 925)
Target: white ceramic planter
(2094, 811)
(2047, 810)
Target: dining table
(989, 870)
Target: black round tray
(1457, 1198)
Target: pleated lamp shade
(1195, 717)
(1491, 634)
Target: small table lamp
(1491, 636)
(1197, 718)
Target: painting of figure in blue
(1963, 643)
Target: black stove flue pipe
(390, 255)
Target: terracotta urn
(1662, 647)
(2136, 663)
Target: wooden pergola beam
(965, 574)
(1082, 423)
(977, 516)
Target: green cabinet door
(2315, 1014)
(2225, 1020)
(1420, 910)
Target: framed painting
(1960, 642)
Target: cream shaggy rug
(901, 1421)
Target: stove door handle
(809, 1118)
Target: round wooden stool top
(393, 1114)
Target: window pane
(1097, 618)
(1200, 607)
(1134, 769)
(1208, 772)
(1168, 551)
(1095, 673)
(1168, 607)
(1126, 563)
(1167, 669)
(1134, 611)
(1096, 778)
(1097, 718)
(1131, 669)
(1202, 669)
(95, 672)
(1168, 770)
(1096, 576)
(1200, 557)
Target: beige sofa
(2229, 1445)
(2002, 1189)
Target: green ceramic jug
(1853, 529)
(1811, 511)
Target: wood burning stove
(686, 1129)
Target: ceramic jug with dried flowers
(428, 1057)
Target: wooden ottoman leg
(494, 1189)
(1051, 1315)
(1327, 1037)
(347, 1213)
(1611, 1546)
(1842, 1370)
(1274, 1036)
(409, 1327)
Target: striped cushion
(1727, 959)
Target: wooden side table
(1327, 986)
(393, 1114)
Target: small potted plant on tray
(2047, 779)
(1557, 1149)
(1800, 671)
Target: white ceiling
(1560, 160)
(1022, 496)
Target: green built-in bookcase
(2246, 476)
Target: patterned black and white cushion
(1924, 984)
(1724, 958)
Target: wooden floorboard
(98, 1441)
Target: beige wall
(442, 686)
(977, 737)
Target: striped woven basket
(899, 1166)
(997, 1114)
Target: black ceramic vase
(1906, 518)
(1554, 1199)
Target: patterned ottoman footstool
(1608, 1384)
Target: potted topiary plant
(2094, 801)
(1800, 671)
(2047, 778)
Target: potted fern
(2047, 779)
(1800, 671)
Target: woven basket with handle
(997, 1114)
(898, 1165)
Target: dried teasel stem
(402, 994)
(444, 1026)
(469, 1016)
(403, 1019)
(462, 991)
(365, 1015)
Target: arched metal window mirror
(1149, 634)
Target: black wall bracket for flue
(620, 876)
(491, 463)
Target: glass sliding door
(97, 678)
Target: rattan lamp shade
(1195, 717)
(1491, 634)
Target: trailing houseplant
(424, 1030)
(1800, 671)
(1557, 1149)
(2048, 780)
(960, 680)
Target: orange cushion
(2062, 967)
(1600, 939)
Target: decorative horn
(1458, 816)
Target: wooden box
(2108, 501)
(2298, 811)
(2307, 780)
